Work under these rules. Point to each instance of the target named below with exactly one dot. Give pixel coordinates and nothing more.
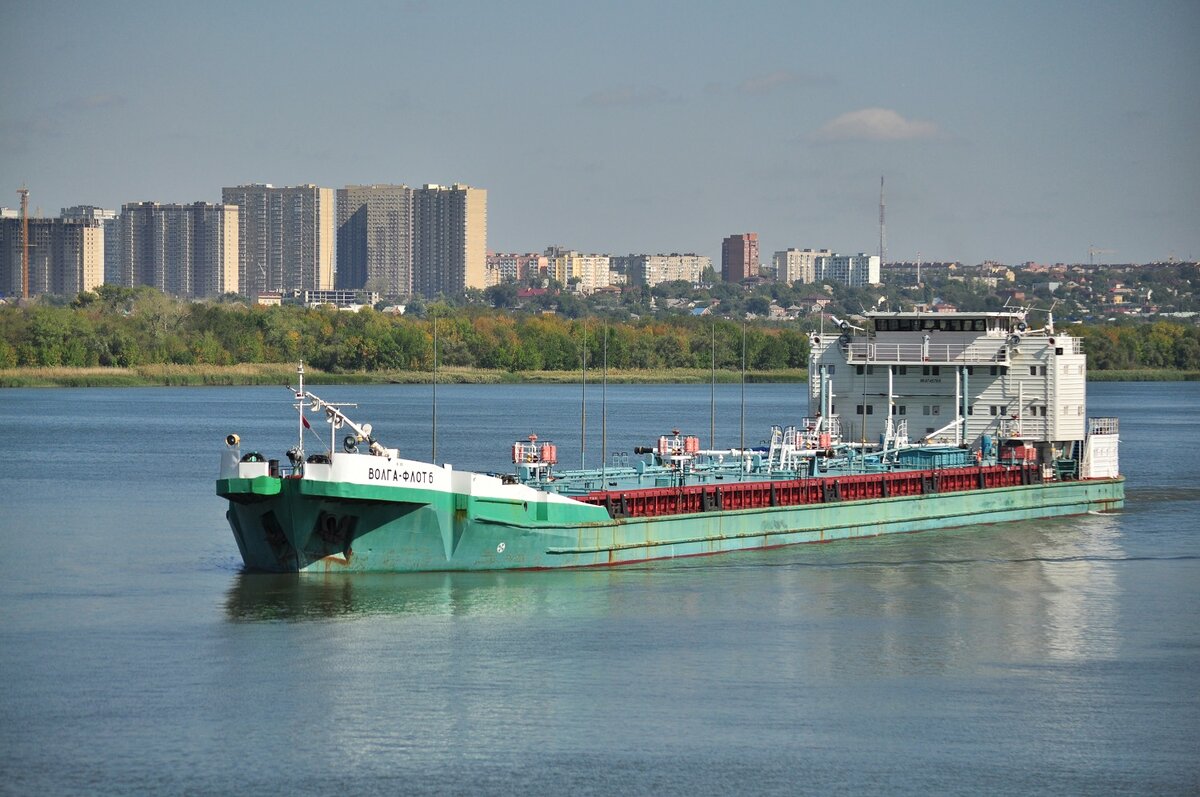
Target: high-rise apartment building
(375, 239)
(798, 265)
(110, 221)
(584, 273)
(651, 270)
(511, 266)
(739, 257)
(286, 237)
(857, 270)
(185, 250)
(449, 239)
(66, 256)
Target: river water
(1051, 657)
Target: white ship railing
(925, 353)
(1103, 426)
(1026, 428)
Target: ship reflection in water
(1038, 591)
(256, 597)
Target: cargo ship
(916, 421)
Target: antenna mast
(24, 194)
(882, 234)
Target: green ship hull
(312, 525)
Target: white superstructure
(956, 378)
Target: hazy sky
(1009, 130)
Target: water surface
(1049, 657)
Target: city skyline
(1010, 133)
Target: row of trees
(1161, 344)
(128, 327)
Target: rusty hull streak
(342, 560)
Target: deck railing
(1026, 428)
(925, 353)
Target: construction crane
(1093, 251)
(23, 192)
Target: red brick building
(739, 257)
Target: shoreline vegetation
(138, 336)
(285, 374)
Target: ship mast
(742, 441)
(583, 403)
(712, 406)
(604, 407)
(433, 442)
(300, 399)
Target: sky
(1014, 131)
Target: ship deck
(642, 501)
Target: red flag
(307, 425)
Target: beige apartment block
(798, 265)
(449, 239)
(286, 237)
(375, 239)
(111, 222)
(583, 273)
(513, 266)
(184, 250)
(66, 256)
(857, 270)
(652, 270)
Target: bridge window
(902, 370)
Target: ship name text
(398, 476)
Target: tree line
(139, 326)
(128, 327)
